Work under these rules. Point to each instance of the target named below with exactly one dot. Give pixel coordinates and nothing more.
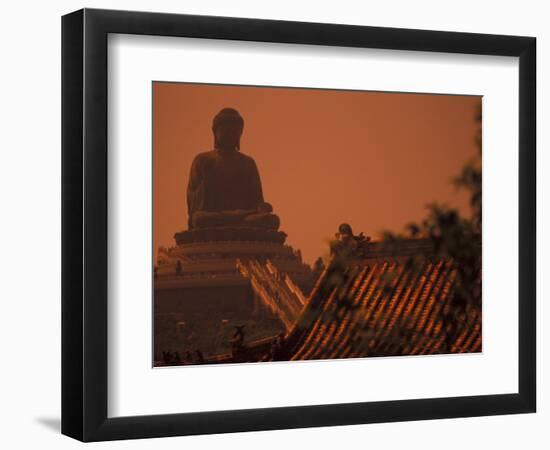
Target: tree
(459, 239)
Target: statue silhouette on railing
(238, 348)
(347, 245)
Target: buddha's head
(227, 128)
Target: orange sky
(325, 157)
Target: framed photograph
(271, 224)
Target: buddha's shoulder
(244, 157)
(204, 159)
(204, 156)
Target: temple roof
(383, 307)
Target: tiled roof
(384, 309)
(372, 307)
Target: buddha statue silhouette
(224, 187)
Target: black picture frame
(84, 224)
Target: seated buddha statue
(224, 187)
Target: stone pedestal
(198, 305)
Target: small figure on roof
(276, 347)
(237, 343)
(178, 268)
(346, 244)
(238, 337)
